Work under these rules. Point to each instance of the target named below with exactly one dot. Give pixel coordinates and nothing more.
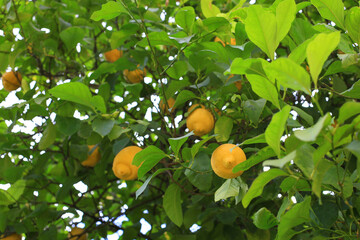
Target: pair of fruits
(223, 160)
(122, 165)
(134, 76)
(11, 80)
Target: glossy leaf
(276, 128)
(172, 204)
(108, 11)
(261, 28)
(318, 50)
(310, 134)
(264, 88)
(223, 128)
(259, 183)
(264, 219)
(148, 158)
(332, 10)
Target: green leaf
(74, 92)
(354, 91)
(259, 183)
(297, 215)
(276, 128)
(354, 148)
(103, 126)
(264, 219)
(352, 24)
(185, 18)
(258, 139)
(48, 137)
(176, 143)
(147, 181)
(318, 50)
(260, 26)
(157, 38)
(332, 10)
(72, 36)
(98, 103)
(117, 131)
(108, 11)
(298, 55)
(321, 167)
(178, 70)
(17, 189)
(253, 109)
(184, 95)
(223, 128)
(310, 134)
(148, 158)
(172, 204)
(304, 159)
(285, 15)
(230, 188)
(348, 110)
(249, 66)
(257, 158)
(307, 117)
(349, 59)
(291, 75)
(67, 125)
(282, 161)
(200, 174)
(208, 9)
(264, 88)
(196, 147)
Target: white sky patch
(81, 187)
(122, 185)
(252, 1)
(5, 186)
(293, 199)
(46, 30)
(78, 47)
(147, 80)
(145, 226)
(194, 228)
(265, 169)
(78, 115)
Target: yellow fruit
(225, 158)
(135, 76)
(13, 236)
(113, 55)
(201, 121)
(11, 80)
(93, 158)
(171, 102)
(232, 41)
(122, 165)
(77, 234)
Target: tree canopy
(82, 81)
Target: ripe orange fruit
(163, 107)
(134, 76)
(93, 158)
(13, 236)
(122, 165)
(225, 158)
(11, 80)
(77, 234)
(232, 41)
(113, 55)
(201, 121)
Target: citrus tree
(224, 119)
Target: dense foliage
(295, 113)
